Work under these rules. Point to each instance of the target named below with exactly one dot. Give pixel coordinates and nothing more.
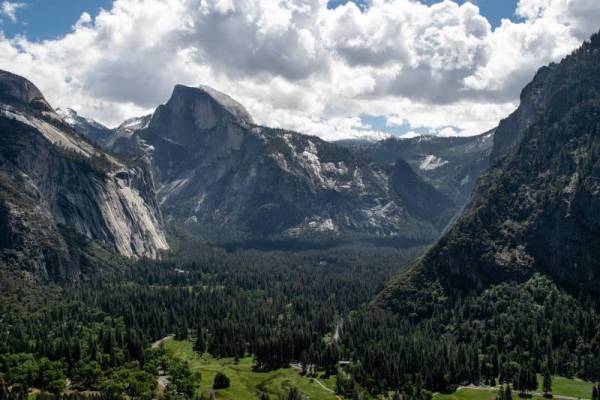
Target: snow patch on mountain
(281, 161)
(133, 124)
(316, 225)
(339, 169)
(431, 162)
(72, 118)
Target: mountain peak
(71, 117)
(194, 114)
(232, 107)
(67, 113)
(14, 87)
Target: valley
(194, 253)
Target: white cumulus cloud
(298, 64)
(9, 9)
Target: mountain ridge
(536, 209)
(451, 164)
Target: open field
(561, 388)
(569, 387)
(467, 394)
(246, 383)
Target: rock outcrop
(59, 193)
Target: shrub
(221, 381)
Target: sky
(337, 69)
(43, 19)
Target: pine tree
(182, 331)
(547, 383)
(522, 381)
(4, 390)
(500, 395)
(508, 393)
(200, 343)
(293, 394)
(532, 383)
(550, 363)
(221, 381)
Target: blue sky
(48, 19)
(494, 10)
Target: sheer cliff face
(217, 170)
(58, 192)
(538, 208)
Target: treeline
(505, 335)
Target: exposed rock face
(538, 208)
(534, 100)
(58, 191)
(217, 169)
(15, 88)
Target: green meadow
(247, 384)
(561, 388)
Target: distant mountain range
(70, 185)
(537, 209)
(220, 174)
(451, 164)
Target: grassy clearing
(247, 384)
(569, 387)
(575, 388)
(467, 394)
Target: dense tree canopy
(311, 308)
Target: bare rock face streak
(59, 192)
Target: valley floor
(246, 383)
(249, 384)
